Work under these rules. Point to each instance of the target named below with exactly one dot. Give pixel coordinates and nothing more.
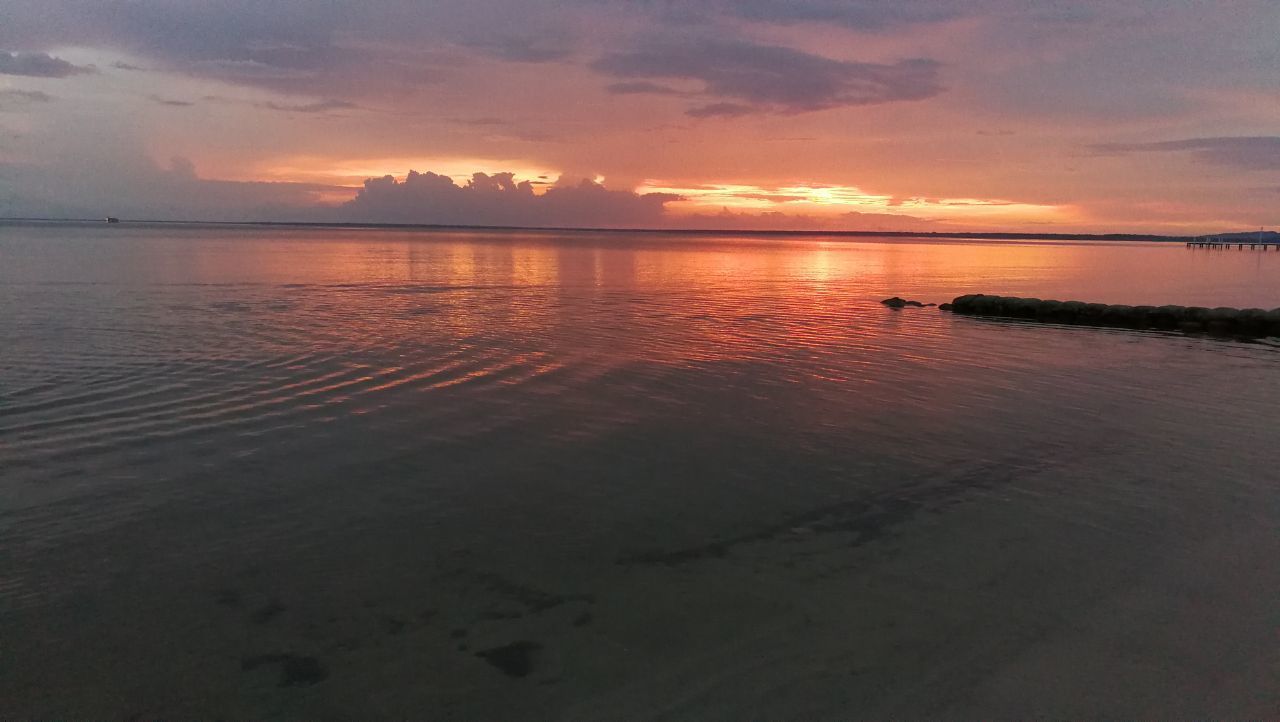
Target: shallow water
(253, 472)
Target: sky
(1140, 116)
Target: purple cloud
(39, 65)
(321, 106)
(636, 87)
(133, 187)
(23, 97)
(720, 110)
(1247, 153)
(861, 14)
(872, 15)
(770, 78)
(523, 48)
(170, 102)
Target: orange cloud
(835, 200)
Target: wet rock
(945, 307)
(1026, 307)
(1072, 309)
(1252, 321)
(896, 302)
(1272, 319)
(973, 303)
(1168, 316)
(515, 659)
(1093, 311)
(1048, 310)
(1143, 316)
(1221, 320)
(1124, 316)
(1199, 314)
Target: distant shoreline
(990, 236)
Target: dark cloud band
(1248, 153)
(741, 77)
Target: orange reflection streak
(371, 318)
(717, 300)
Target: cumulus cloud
(768, 78)
(500, 200)
(1246, 153)
(39, 65)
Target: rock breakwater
(1251, 322)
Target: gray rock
(1252, 320)
(1221, 320)
(1199, 314)
(896, 302)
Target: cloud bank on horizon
(1099, 115)
(501, 200)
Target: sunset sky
(1091, 115)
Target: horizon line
(989, 235)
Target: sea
(256, 472)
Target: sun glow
(819, 201)
(835, 200)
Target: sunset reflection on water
(638, 451)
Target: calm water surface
(258, 473)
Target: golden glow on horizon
(833, 200)
(812, 200)
(353, 172)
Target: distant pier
(1238, 243)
